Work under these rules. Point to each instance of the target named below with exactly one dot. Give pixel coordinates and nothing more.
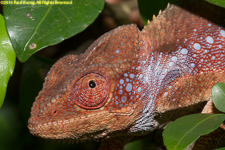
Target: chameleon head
(91, 96)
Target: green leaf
(148, 8)
(185, 130)
(33, 27)
(220, 3)
(136, 145)
(218, 96)
(7, 59)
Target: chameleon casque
(131, 82)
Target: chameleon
(130, 82)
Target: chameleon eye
(90, 91)
(92, 84)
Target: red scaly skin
(127, 78)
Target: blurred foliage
(220, 3)
(220, 149)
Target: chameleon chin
(128, 77)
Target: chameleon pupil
(92, 84)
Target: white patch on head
(209, 39)
(184, 51)
(192, 65)
(129, 87)
(213, 57)
(197, 46)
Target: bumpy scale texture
(130, 82)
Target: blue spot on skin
(184, 51)
(131, 75)
(124, 99)
(117, 51)
(222, 32)
(120, 92)
(121, 81)
(171, 64)
(166, 94)
(130, 104)
(129, 87)
(141, 76)
(209, 39)
(174, 58)
(139, 89)
(197, 46)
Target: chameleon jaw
(94, 126)
(78, 129)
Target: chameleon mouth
(79, 129)
(55, 130)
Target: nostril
(55, 112)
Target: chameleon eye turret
(90, 91)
